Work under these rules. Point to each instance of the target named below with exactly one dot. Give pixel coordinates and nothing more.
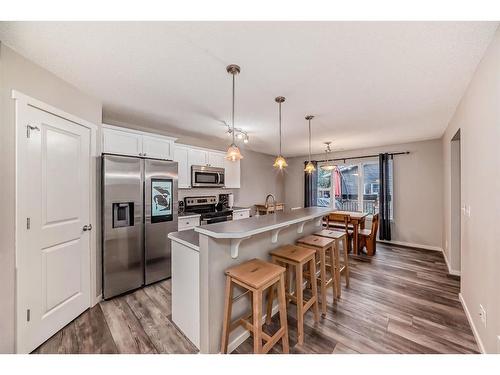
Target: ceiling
(367, 83)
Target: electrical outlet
(468, 211)
(482, 314)
(498, 344)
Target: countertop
(186, 237)
(238, 229)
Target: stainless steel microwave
(204, 176)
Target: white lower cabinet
(186, 291)
(241, 214)
(189, 222)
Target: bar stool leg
(257, 322)
(283, 318)
(228, 304)
(300, 304)
(322, 265)
(336, 270)
(346, 260)
(314, 286)
(270, 300)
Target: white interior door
(54, 251)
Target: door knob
(87, 227)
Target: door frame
(22, 103)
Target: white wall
(418, 186)
(20, 74)
(478, 118)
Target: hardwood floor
(402, 301)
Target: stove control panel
(198, 201)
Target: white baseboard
(471, 323)
(409, 244)
(239, 339)
(450, 271)
(96, 300)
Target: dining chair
(341, 222)
(368, 237)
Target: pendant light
(310, 166)
(233, 152)
(328, 166)
(280, 161)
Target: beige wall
(418, 186)
(478, 118)
(20, 74)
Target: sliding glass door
(352, 187)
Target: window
(324, 188)
(354, 187)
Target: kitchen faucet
(274, 202)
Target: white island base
(198, 265)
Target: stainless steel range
(207, 207)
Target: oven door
(207, 177)
(218, 219)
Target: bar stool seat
(295, 258)
(339, 236)
(255, 276)
(255, 272)
(323, 245)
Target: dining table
(357, 220)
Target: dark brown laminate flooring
(402, 301)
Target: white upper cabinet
(197, 157)
(232, 174)
(131, 142)
(216, 159)
(121, 142)
(157, 147)
(181, 154)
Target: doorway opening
(456, 201)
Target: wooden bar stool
(338, 237)
(255, 276)
(294, 258)
(322, 245)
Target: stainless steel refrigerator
(139, 209)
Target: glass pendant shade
(233, 153)
(309, 168)
(328, 166)
(280, 162)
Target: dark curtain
(384, 197)
(311, 186)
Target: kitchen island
(200, 257)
